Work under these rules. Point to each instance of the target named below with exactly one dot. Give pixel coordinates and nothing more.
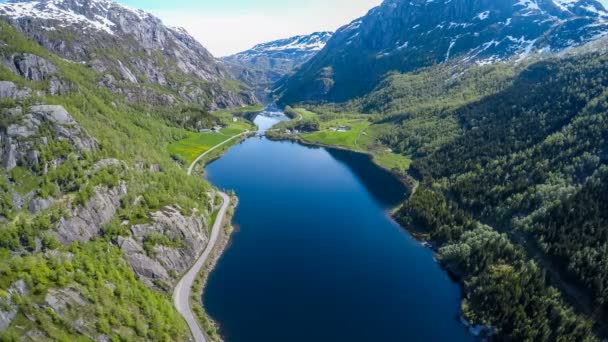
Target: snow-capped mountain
(267, 63)
(127, 47)
(307, 44)
(403, 35)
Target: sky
(226, 27)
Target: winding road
(182, 292)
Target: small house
(343, 128)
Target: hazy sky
(229, 26)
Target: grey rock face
(9, 90)
(8, 310)
(148, 51)
(86, 222)
(64, 126)
(58, 87)
(40, 204)
(126, 73)
(61, 300)
(146, 267)
(31, 67)
(18, 140)
(191, 231)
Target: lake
(316, 256)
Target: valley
(433, 170)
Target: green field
(195, 144)
(348, 139)
(363, 137)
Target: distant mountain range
(267, 63)
(404, 35)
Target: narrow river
(316, 256)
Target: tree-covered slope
(529, 160)
(97, 220)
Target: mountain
(98, 217)
(267, 63)
(405, 35)
(136, 54)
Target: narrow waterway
(316, 256)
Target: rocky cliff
(132, 50)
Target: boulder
(9, 90)
(8, 310)
(40, 204)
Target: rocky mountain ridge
(133, 50)
(265, 64)
(403, 36)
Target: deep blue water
(316, 256)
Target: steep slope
(97, 220)
(267, 63)
(403, 35)
(136, 54)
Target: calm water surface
(316, 256)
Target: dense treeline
(504, 291)
(524, 155)
(575, 232)
(529, 159)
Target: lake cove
(316, 256)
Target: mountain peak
(89, 14)
(312, 42)
(404, 35)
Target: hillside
(265, 64)
(98, 219)
(404, 36)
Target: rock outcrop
(8, 310)
(20, 138)
(31, 67)
(164, 261)
(86, 222)
(9, 90)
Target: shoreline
(409, 182)
(202, 278)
